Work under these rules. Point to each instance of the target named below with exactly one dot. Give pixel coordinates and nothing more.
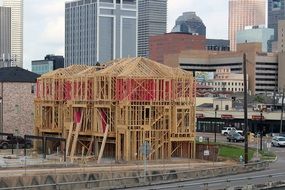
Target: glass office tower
(100, 30)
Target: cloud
(43, 29)
(176, 9)
(53, 32)
(51, 7)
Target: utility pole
(216, 109)
(245, 110)
(282, 110)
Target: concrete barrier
(118, 179)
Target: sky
(44, 23)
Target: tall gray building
(5, 36)
(100, 30)
(17, 22)
(152, 20)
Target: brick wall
(18, 108)
(173, 43)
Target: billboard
(204, 76)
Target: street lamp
(215, 127)
(282, 110)
(1, 114)
(261, 129)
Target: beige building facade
(222, 104)
(281, 36)
(262, 68)
(244, 13)
(226, 81)
(281, 71)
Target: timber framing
(113, 111)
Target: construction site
(126, 109)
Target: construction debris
(117, 109)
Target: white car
(228, 130)
(278, 141)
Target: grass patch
(234, 152)
(267, 155)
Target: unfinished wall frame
(136, 100)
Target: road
(260, 177)
(213, 183)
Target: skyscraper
(5, 36)
(17, 14)
(189, 22)
(244, 13)
(276, 11)
(100, 31)
(152, 21)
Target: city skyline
(44, 23)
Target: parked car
(278, 141)
(257, 134)
(235, 137)
(13, 141)
(228, 130)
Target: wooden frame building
(117, 109)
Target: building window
(33, 89)
(17, 107)
(227, 107)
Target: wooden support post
(127, 146)
(90, 147)
(69, 138)
(96, 147)
(103, 144)
(74, 142)
(75, 138)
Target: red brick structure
(173, 43)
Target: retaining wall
(119, 179)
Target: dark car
(235, 137)
(257, 134)
(13, 141)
